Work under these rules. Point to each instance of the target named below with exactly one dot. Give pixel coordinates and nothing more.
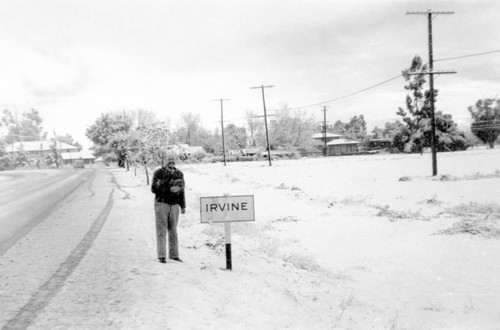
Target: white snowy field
(360, 242)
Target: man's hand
(175, 189)
(183, 211)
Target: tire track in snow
(47, 291)
(127, 194)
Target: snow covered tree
(486, 116)
(67, 139)
(290, 130)
(53, 157)
(26, 128)
(339, 128)
(417, 134)
(389, 130)
(235, 137)
(356, 128)
(103, 133)
(253, 125)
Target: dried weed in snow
(302, 262)
(486, 227)
(475, 176)
(393, 215)
(349, 201)
(285, 187)
(345, 302)
(432, 201)
(477, 219)
(474, 208)
(289, 218)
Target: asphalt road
(28, 197)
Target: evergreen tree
(235, 137)
(103, 133)
(417, 134)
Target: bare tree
(143, 118)
(190, 123)
(253, 125)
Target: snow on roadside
(323, 252)
(120, 284)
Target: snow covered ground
(359, 242)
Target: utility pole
(265, 119)
(324, 128)
(222, 126)
(431, 74)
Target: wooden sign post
(227, 209)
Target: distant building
(38, 148)
(336, 144)
(383, 143)
(250, 151)
(183, 151)
(329, 137)
(339, 147)
(70, 157)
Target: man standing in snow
(168, 187)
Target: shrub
(198, 156)
(5, 163)
(246, 158)
(302, 262)
(474, 226)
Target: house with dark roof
(336, 144)
(339, 147)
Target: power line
(470, 55)
(389, 80)
(351, 94)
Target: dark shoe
(162, 260)
(177, 259)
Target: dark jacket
(163, 180)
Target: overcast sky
(73, 60)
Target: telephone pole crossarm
(431, 72)
(264, 116)
(262, 86)
(442, 12)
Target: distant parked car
(79, 164)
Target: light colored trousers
(167, 217)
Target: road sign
(227, 209)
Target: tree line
(126, 135)
(138, 136)
(24, 128)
